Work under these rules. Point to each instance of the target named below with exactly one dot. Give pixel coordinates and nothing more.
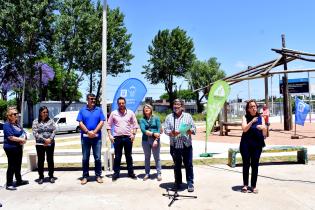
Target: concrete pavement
(280, 186)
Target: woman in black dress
(252, 142)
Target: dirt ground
(277, 135)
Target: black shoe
(132, 176)
(10, 187)
(52, 180)
(22, 182)
(115, 177)
(0, 205)
(190, 188)
(40, 181)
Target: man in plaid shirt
(180, 141)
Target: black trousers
(49, 150)
(120, 143)
(14, 156)
(250, 156)
(180, 156)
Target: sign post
(218, 94)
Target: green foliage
(202, 74)
(118, 45)
(199, 117)
(186, 95)
(171, 55)
(3, 107)
(54, 88)
(162, 115)
(78, 45)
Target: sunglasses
(92, 99)
(14, 114)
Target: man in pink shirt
(124, 124)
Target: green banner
(219, 93)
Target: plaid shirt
(179, 141)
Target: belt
(123, 136)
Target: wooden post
(287, 118)
(266, 99)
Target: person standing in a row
(125, 125)
(14, 139)
(181, 143)
(252, 142)
(151, 127)
(44, 130)
(91, 120)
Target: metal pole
(309, 96)
(271, 94)
(104, 71)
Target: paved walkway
(289, 186)
(217, 187)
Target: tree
(79, 45)
(171, 55)
(186, 95)
(25, 36)
(73, 44)
(118, 47)
(202, 74)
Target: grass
(205, 161)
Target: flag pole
(295, 136)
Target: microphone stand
(175, 196)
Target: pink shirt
(123, 124)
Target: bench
(224, 126)
(32, 156)
(301, 153)
(135, 151)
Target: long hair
(41, 109)
(248, 116)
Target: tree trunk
(91, 82)
(98, 92)
(30, 112)
(4, 95)
(198, 102)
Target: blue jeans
(96, 145)
(120, 143)
(147, 148)
(179, 156)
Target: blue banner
(133, 90)
(301, 111)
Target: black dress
(251, 146)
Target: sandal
(255, 190)
(244, 189)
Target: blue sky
(239, 33)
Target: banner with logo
(133, 90)
(301, 111)
(218, 94)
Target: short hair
(177, 100)
(9, 109)
(90, 95)
(147, 106)
(121, 98)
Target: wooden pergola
(267, 69)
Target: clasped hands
(176, 133)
